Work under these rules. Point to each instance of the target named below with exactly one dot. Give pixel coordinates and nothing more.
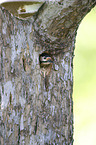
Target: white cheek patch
(44, 58)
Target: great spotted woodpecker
(46, 62)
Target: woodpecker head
(46, 62)
(45, 59)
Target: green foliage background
(84, 90)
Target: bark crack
(36, 126)
(19, 135)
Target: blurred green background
(84, 90)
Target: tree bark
(30, 114)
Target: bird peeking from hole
(46, 62)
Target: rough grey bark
(29, 113)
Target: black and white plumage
(45, 59)
(46, 62)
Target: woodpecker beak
(49, 60)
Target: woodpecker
(46, 62)
(45, 59)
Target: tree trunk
(30, 113)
